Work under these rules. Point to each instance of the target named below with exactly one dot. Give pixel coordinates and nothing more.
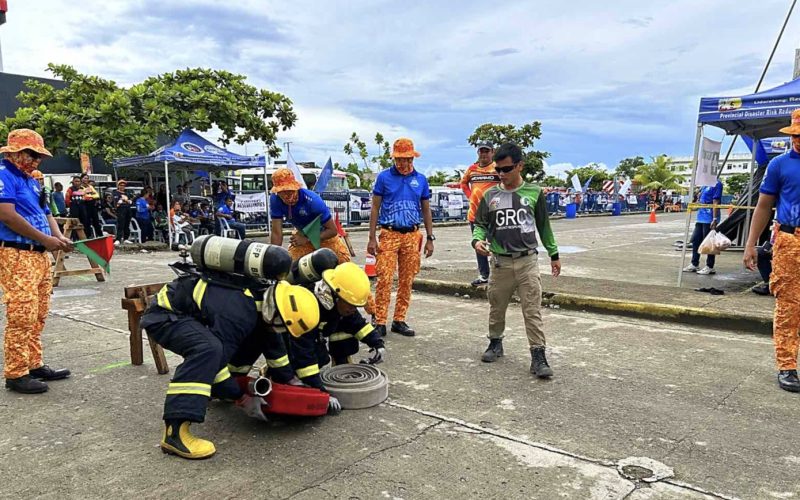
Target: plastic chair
(108, 228)
(135, 230)
(226, 231)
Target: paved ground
(702, 402)
(623, 258)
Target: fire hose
(284, 399)
(356, 386)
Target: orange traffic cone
(652, 215)
(369, 266)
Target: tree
(594, 171)
(627, 167)
(658, 176)
(438, 178)
(95, 116)
(553, 181)
(524, 137)
(737, 183)
(357, 150)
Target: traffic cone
(652, 215)
(369, 266)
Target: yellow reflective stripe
(239, 370)
(189, 388)
(259, 305)
(278, 363)
(199, 292)
(162, 299)
(308, 371)
(223, 375)
(364, 332)
(248, 293)
(340, 336)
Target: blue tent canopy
(190, 151)
(758, 115)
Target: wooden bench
(135, 302)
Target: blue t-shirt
(782, 180)
(309, 205)
(224, 209)
(23, 192)
(707, 196)
(58, 199)
(402, 195)
(142, 208)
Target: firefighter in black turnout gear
(206, 320)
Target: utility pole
(3, 9)
(796, 64)
(288, 151)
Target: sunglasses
(504, 170)
(33, 154)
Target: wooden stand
(73, 226)
(135, 302)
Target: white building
(738, 163)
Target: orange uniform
(475, 182)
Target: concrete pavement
(703, 402)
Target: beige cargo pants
(521, 274)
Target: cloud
(607, 80)
(560, 169)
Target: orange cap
(283, 180)
(25, 138)
(37, 174)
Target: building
(738, 163)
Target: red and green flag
(98, 250)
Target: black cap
(484, 145)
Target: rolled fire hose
(356, 386)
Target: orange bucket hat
(283, 180)
(25, 138)
(794, 128)
(404, 148)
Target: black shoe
(480, 281)
(761, 289)
(494, 351)
(44, 372)
(381, 329)
(539, 366)
(787, 380)
(26, 385)
(402, 328)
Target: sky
(607, 80)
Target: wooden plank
(137, 356)
(134, 291)
(77, 272)
(158, 356)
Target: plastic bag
(714, 243)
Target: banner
(623, 190)
(576, 183)
(253, 203)
(708, 163)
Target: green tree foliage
(524, 136)
(96, 116)
(627, 167)
(553, 181)
(658, 176)
(593, 170)
(362, 163)
(736, 183)
(439, 178)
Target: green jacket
(509, 220)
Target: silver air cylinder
(308, 268)
(245, 257)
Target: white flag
(291, 165)
(623, 190)
(576, 183)
(708, 163)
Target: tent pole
(169, 204)
(750, 190)
(266, 188)
(697, 138)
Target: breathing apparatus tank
(308, 269)
(253, 260)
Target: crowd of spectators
(593, 201)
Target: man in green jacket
(508, 217)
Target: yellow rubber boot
(178, 440)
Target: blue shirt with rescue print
(707, 196)
(23, 191)
(402, 195)
(782, 180)
(309, 205)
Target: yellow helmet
(349, 282)
(37, 174)
(298, 308)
